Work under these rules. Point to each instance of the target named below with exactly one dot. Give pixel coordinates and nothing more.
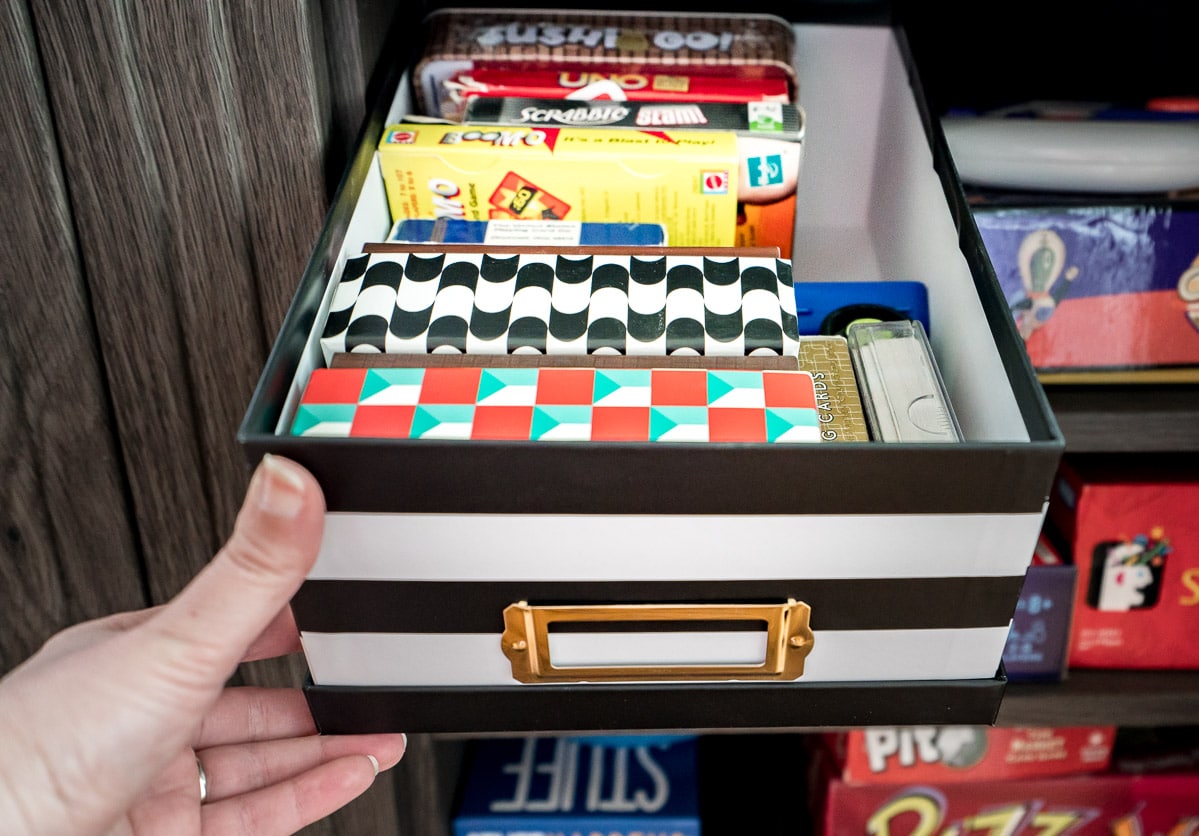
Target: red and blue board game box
(1100, 293)
(565, 785)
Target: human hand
(103, 729)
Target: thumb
(274, 543)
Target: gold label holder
(526, 643)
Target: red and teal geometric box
(561, 404)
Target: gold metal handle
(526, 641)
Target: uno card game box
(1134, 536)
(620, 785)
(617, 49)
(687, 180)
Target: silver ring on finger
(203, 780)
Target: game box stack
(904, 781)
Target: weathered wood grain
(66, 550)
(129, 240)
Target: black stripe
(690, 706)
(346, 606)
(659, 478)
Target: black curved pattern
(501, 304)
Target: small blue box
(528, 233)
(830, 307)
(558, 786)
(1039, 638)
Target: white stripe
(440, 659)
(549, 547)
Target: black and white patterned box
(477, 303)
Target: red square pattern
(679, 387)
(789, 389)
(562, 387)
(334, 386)
(736, 424)
(382, 421)
(620, 423)
(450, 385)
(502, 423)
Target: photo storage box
(658, 585)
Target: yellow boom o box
(684, 180)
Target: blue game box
(624, 785)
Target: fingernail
(280, 488)
(374, 764)
(404, 737)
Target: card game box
(769, 143)
(954, 754)
(622, 785)
(1087, 805)
(653, 304)
(686, 180)
(1101, 293)
(1038, 642)
(527, 233)
(1133, 534)
(738, 50)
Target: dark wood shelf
(1127, 418)
(1100, 697)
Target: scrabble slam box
(674, 579)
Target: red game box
(1134, 535)
(1088, 805)
(942, 754)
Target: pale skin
(100, 730)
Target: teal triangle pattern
(548, 418)
(378, 380)
(605, 385)
(309, 416)
(779, 420)
(718, 387)
(489, 384)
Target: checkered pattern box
(561, 404)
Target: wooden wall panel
(66, 549)
(115, 162)
(280, 110)
(172, 170)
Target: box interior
(870, 207)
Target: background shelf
(1127, 418)
(1101, 697)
